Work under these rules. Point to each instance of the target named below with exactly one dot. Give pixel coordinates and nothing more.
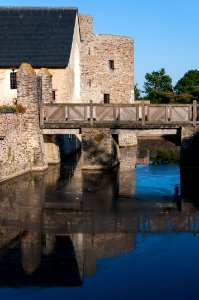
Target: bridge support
(52, 149)
(100, 150)
(189, 162)
(127, 172)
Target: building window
(111, 65)
(53, 95)
(13, 80)
(89, 82)
(106, 98)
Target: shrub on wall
(16, 108)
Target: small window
(53, 95)
(89, 82)
(106, 98)
(111, 65)
(13, 80)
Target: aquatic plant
(165, 156)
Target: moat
(68, 233)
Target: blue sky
(165, 31)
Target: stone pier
(189, 146)
(100, 150)
(189, 162)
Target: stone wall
(14, 155)
(97, 78)
(46, 85)
(27, 95)
(22, 149)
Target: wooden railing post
(114, 113)
(194, 112)
(137, 112)
(143, 113)
(91, 112)
(166, 113)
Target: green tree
(170, 97)
(157, 81)
(137, 92)
(189, 84)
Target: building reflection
(56, 225)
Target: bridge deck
(127, 116)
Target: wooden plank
(128, 114)
(156, 113)
(77, 113)
(104, 113)
(180, 113)
(189, 113)
(55, 113)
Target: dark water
(68, 234)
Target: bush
(17, 108)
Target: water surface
(68, 234)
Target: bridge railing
(91, 113)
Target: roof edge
(37, 8)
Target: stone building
(107, 65)
(84, 66)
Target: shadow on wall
(68, 144)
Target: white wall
(75, 64)
(6, 94)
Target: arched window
(13, 80)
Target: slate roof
(39, 36)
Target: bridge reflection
(56, 225)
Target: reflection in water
(56, 226)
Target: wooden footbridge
(77, 115)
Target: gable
(39, 36)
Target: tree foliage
(137, 92)
(158, 87)
(189, 84)
(170, 97)
(157, 81)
